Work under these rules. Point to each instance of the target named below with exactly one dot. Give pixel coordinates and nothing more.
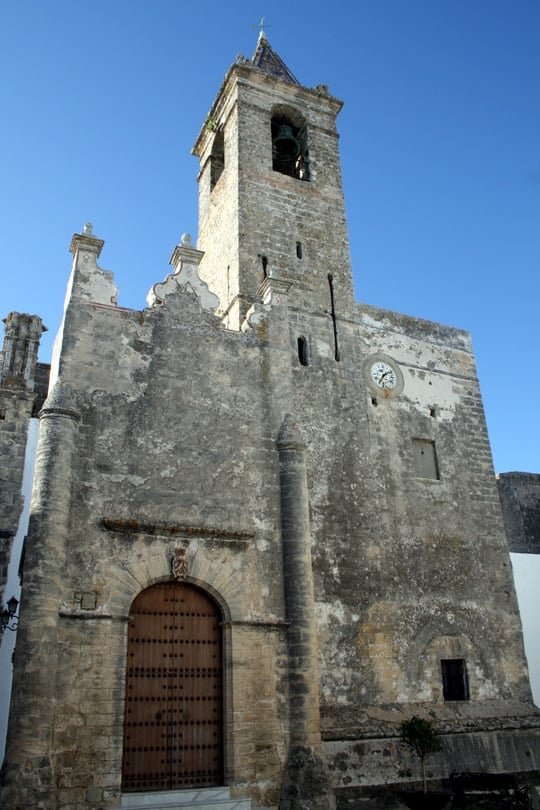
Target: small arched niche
(290, 153)
(303, 352)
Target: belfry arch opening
(290, 153)
(173, 722)
(217, 158)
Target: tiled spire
(267, 60)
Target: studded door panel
(173, 718)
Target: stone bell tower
(270, 191)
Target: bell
(285, 144)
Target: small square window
(454, 678)
(88, 600)
(425, 459)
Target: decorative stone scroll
(179, 564)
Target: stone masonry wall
(520, 500)
(15, 411)
(175, 450)
(408, 569)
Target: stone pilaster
(305, 784)
(28, 768)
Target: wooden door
(173, 728)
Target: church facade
(265, 527)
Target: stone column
(305, 784)
(28, 767)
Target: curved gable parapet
(185, 259)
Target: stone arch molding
(289, 114)
(151, 568)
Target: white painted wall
(527, 579)
(13, 586)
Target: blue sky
(440, 144)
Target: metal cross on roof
(261, 26)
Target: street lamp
(8, 618)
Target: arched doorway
(173, 726)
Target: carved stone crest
(179, 564)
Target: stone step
(195, 799)
(225, 804)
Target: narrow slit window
(299, 250)
(454, 679)
(303, 351)
(425, 459)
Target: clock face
(383, 375)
